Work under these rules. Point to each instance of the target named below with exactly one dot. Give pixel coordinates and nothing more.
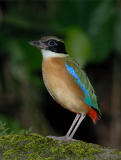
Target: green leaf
(79, 45)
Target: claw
(63, 138)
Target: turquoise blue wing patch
(87, 99)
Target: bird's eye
(51, 43)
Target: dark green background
(91, 30)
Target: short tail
(94, 115)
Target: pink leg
(77, 125)
(77, 121)
(73, 124)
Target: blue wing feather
(90, 97)
(72, 72)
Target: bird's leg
(78, 119)
(73, 124)
(77, 125)
(67, 136)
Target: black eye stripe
(52, 42)
(55, 46)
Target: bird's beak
(38, 44)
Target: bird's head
(50, 46)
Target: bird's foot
(63, 138)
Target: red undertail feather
(93, 115)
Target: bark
(36, 147)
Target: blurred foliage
(79, 44)
(93, 26)
(9, 125)
(91, 30)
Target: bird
(67, 82)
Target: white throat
(49, 54)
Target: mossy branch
(36, 147)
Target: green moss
(35, 156)
(116, 152)
(36, 147)
(120, 153)
(79, 149)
